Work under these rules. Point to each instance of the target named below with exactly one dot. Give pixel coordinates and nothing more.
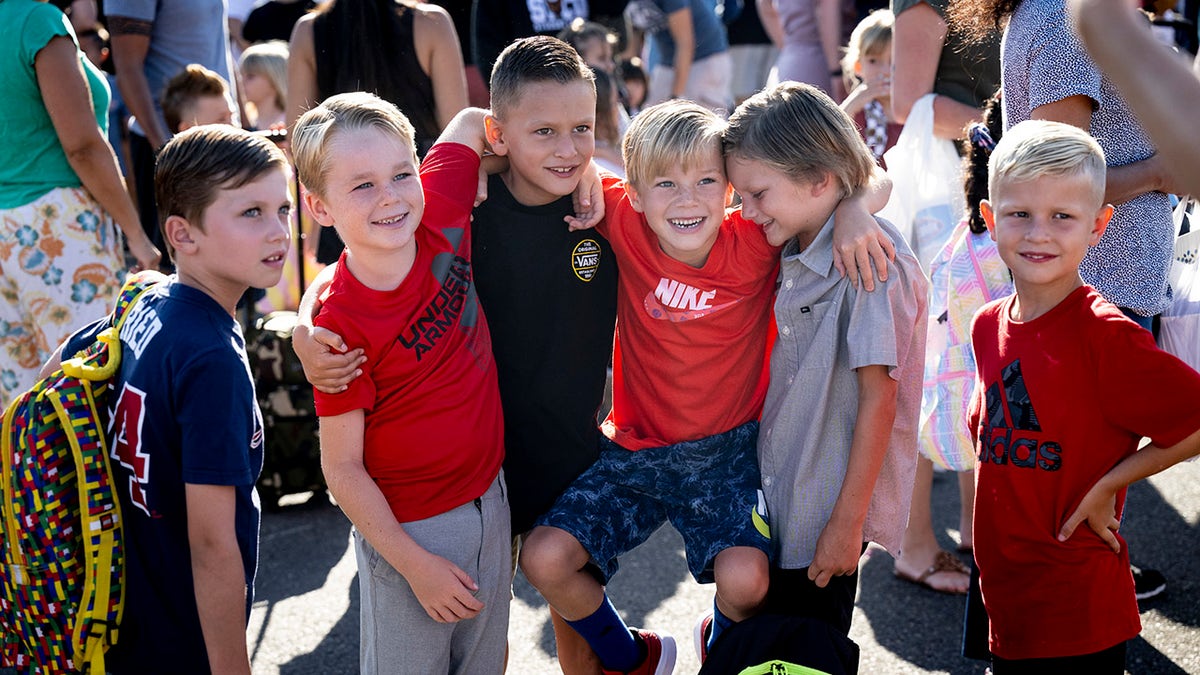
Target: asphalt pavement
(305, 617)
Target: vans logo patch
(585, 259)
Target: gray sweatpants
(397, 635)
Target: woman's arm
(1123, 182)
(1160, 89)
(130, 44)
(68, 101)
(917, 40)
(440, 56)
(829, 29)
(301, 72)
(770, 21)
(679, 23)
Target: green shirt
(968, 74)
(33, 159)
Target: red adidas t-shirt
(434, 436)
(1059, 401)
(690, 351)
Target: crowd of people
(521, 211)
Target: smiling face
(783, 206)
(548, 135)
(242, 240)
(1043, 228)
(372, 191)
(685, 205)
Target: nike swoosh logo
(657, 310)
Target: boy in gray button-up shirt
(837, 447)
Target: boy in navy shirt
(186, 441)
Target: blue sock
(608, 636)
(719, 623)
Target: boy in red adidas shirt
(1059, 409)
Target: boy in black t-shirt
(549, 293)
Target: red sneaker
(660, 655)
(700, 634)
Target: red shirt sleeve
(449, 178)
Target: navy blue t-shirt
(183, 411)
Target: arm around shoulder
(467, 128)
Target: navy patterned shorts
(708, 489)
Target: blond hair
(268, 59)
(669, 135)
(871, 37)
(799, 131)
(344, 112)
(1037, 148)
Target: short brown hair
(799, 131)
(198, 163)
(670, 134)
(534, 59)
(181, 93)
(344, 112)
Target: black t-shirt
(274, 20)
(550, 297)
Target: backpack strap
(80, 414)
(81, 366)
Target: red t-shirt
(1059, 401)
(434, 436)
(690, 350)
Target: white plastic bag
(1179, 330)
(927, 191)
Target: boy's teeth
(389, 221)
(687, 223)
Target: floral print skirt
(61, 266)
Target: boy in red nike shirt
(1059, 409)
(693, 314)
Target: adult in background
(61, 258)
(496, 23)
(152, 41)
(691, 51)
(274, 20)
(927, 58)
(1165, 103)
(403, 51)
(809, 36)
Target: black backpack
(772, 644)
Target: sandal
(944, 561)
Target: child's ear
(318, 208)
(180, 234)
(634, 200)
(1103, 216)
(823, 183)
(989, 217)
(493, 131)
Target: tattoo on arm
(123, 25)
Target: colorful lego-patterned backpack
(61, 577)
